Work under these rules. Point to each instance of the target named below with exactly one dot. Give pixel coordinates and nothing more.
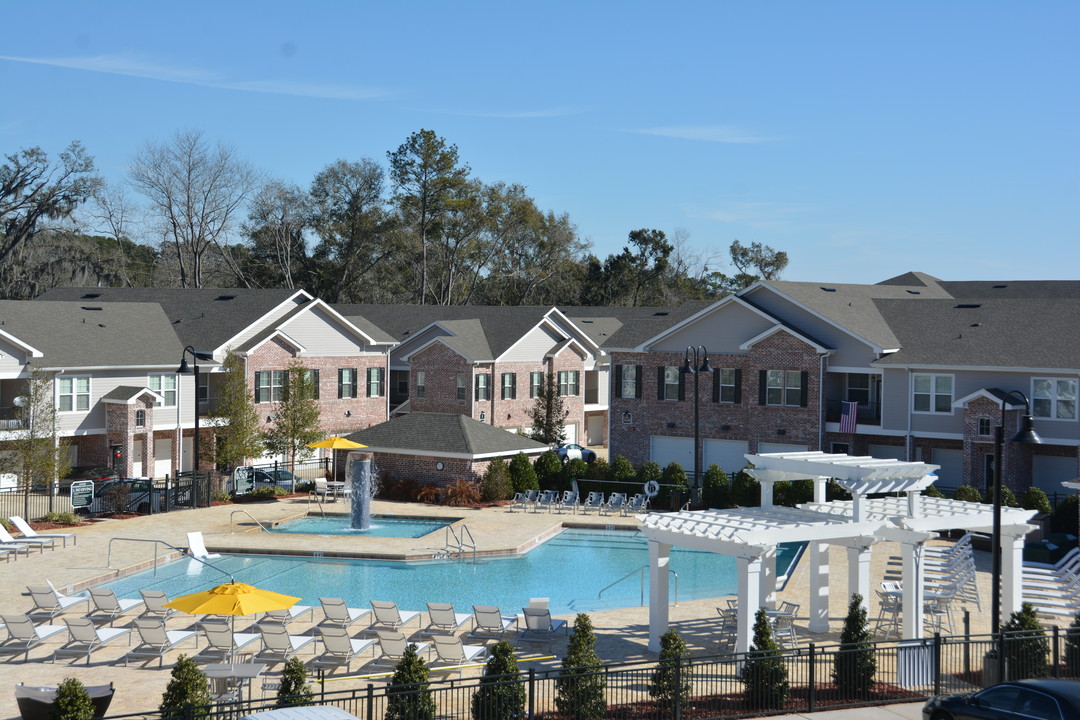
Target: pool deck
(621, 634)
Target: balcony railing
(869, 413)
(9, 420)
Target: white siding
(101, 383)
(721, 331)
(321, 334)
(413, 344)
(12, 358)
(533, 346)
(1048, 472)
(270, 320)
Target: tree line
(419, 228)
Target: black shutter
(618, 382)
(637, 381)
(476, 390)
(738, 387)
(761, 390)
(716, 385)
(355, 382)
(660, 383)
(804, 383)
(513, 386)
(258, 377)
(682, 386)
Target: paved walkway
(622, 634)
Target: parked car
(570, 451)
(143, 496)
(282, 478)
(88, 472)
(1044, 698)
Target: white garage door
(137, 458)
(885, 452)
(1048, 472)
(571, 433)
(779, 447)
(664, 449)
(728, 454)
(162, 457)
(951, 473)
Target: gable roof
(128, 394)
(445, 434)
(639, 324)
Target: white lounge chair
(29, 532)
(548, 499)
(615, 503)
(524, 500)
(155, 640)
(443, 619)
(540, 626)
(451, 652)
(337, 614)
(222, 641)
(49, 602)
(490, 623)
(23, 635)
(40, 543)
(593, 501)
(339, 648)
(155, 604)
(197, 546)
(286, 616)
(568, 501)
(279, 645)
(14, 550)
(105, 603)
(394, 644)
(637, 504)
(84, 638)
(388, 616)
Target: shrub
(675, 475)
(834, 491)
(187, 688)
(496, 484)
(266, 492)
(220, 496)
(1065, 515)
(116, 498)
(72, 701)
(967, 494)
(294, 689)
(933, 491)
(669, 685)
(1035, 499)
(1072, 646)
(407, 696)
(1008, 497)
(1026, 646)
(427, 493)
(599, 470)
(576, 469)
(548, 470)
(580, 685)
(716, 490)
(500, 695)
(855, 664)
(303, 487)
(649, 471)
(6, 525)
(523, 474)
(406, 488)
(764, 672)
(462, 493)
(62, 518)
(622, 470)
(745, 489)
(793, 492)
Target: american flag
(848, 417)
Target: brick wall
(440, 366)
(423, 468)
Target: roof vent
(660, 314)
(975, 325)
(586, 322)
(968, 306)
(90, 296)
(225, 297)
(829, 289)
(91, 307)
(999, 287)
(913, 292)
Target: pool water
(381, 526)
(572, 569)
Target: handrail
(264, 528)
(108, 557)
(641, 570)
(458, 545)
(472, 543)
(447, 534)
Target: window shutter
(258, 384)
(804, 378)
(660, 383)
(476, 389)
(513, 386)
(716, 385)
(618, 382)
(682, 386)
(761, 387)
(355, 383)
(637, 381)
(738, 386)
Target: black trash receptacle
(678, 499)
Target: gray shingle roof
(443, 434)
(998, 289)
(124, 393)
(642, 323)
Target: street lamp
(696, 371)
(196, 355)
(1026, 434)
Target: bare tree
(277, 219)
(197, 191)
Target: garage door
(779, 447)
(162, 457)
(664, 449)
(951, 473)
(1048, 472)
(571, 433)
(137, 458)
(728, 454)
(896, 452)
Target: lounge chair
(451, 652)
(593, 501)
(155, 640)
(84, 638)
(40, 543)
(14, 550)
(197, 546)
(336, 613)
(155, 604)
(540, 626)
(568, 501)
(394, 644)
(339, 648)
(23, 635)
(388, 616)
(322, 487)
(524, 500)
(279, 645)
(639, 503)
(49, 602)
(221, 640)
(443, 619)
(286, 616)
(490, 623)
(29, 532)
(615, 503)
(548, 499)
(105, 603)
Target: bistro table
(226, 677)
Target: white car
(570, 451)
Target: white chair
(339, 648)
(155, 600)
(40, 543)
(393, 644)
(388, 616)
(443, 619)
(548, 499)
(105, 603)
(451, 652)
(593, 501)
(636, 505)
(198, 547)
(490, 623)
(23, 635)
(289, 614)
(49, 602)
(29, 532)
(155, 640)
(14, 550)
(222, 641)
(616, 502)
(337, 614)
(568, 501)
(540, 626)
(85, 638)
(279, 645)
(729, 625)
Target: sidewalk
(906, 711)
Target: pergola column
(819, 587)
(914, 587)
(659, 560)
(858, 558)
(1012, 569)
(749, 600)
(768, 579)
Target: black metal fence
(33, 504)
(811, 678)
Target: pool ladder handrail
(108, 557)
(264, 528)
(641, 570)
(458, 544)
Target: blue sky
(864, 138)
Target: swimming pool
(381, 526)
(571, 569)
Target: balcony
(869, 413)
(9, 421)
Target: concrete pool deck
(621, 634)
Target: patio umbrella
(232, 598)
(336, 443)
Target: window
(536, 382)
(202, 390)
(1053, 398)
(669, 383)
(509, 386)
(346, 383)
(628, 381)
(858, 389)
(74, 394)
(269, 385)
(462, 386)
(375, 381)
(421, 384)
(483, 391)
(984, 427)
(140, 418)
(311, 377)
(165, 385)
(568, 383)
(727, 385)
(782, 388)
(933, 393)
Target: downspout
(386, 387)
(908, 449)
(821, 402)
(179, 426)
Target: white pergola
(751, 535)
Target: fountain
(358, 475)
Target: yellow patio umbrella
(336, 443)
(232, 598)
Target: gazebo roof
(859, 475)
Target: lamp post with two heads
(699, 354)
(196, 355)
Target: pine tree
(670, 682)
(523, 474)
(496, 484)
(1026, 646)
(548, 413)
(856, 663)
(501, 695)
(186, 688)
(764, 672)
(240, 437)
(296, 419)
(581, 683)
(408, 696)
(73, 702)
(294, 689)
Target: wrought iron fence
(32, 504)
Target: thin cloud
(553, 112)
(704, 133)
(752, 214)
(150, 70)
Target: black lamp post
(695, 370)
(185, 370)
(1026, 434)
